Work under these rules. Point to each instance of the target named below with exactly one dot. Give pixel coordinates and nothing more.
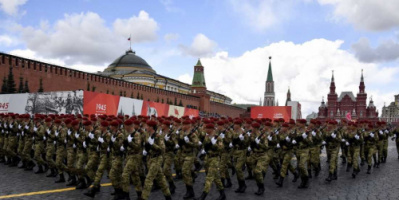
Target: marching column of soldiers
(144, 151)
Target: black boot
(310, 173)
(222, 195)
(81, 184)
(343, 160)
(118, 194)
(178, 175)
(72, 182)
(202, 197)
(166, 198)
(354, 173)
(91, 192)
(189, 193)
(280, 181)
(348, 167)
(13, 162)
(51, 174)
(198, 166)
(2, 159)
(304, 183)
(369, 169)
(39, 170)
(139, 195)
(228, 183)
(172, 187)
(335, 177)
(29, 166)
(88, 181)
(7, 161)
(250, 175)
(223, 182)
(296, 176)
(329, 178)
(261, 189)
(239, 187)
(60, 179)
(362, 162)
(23, 165)
(243, 186)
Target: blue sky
(228, 35)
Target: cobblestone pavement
(383, 183)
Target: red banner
(191, 112)
(153, 108)
(99, 103)
(272, 112)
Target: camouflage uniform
(333, 139)
(240, 142)
(133, 163)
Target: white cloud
(200, 47)
(10, 7)
(185, 78)
(84, 38)
(305, 68)
(168, 4)
(26, 53)
(6, 40)
(142, 28)
(374, 15)
(387, 50)
(261, 14)
(171, 37)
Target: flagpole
(130, 40)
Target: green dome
(129, 59)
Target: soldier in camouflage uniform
(92, 151)
(103, 144)
(133, 146)
(81, 154)
(169, 156)
(188, 141)
(155, 148)
(370, 146)
(27, 150)
(303, 140)
(61, 154)
(226, 135)
(213, 146)
(286, 146)
(314, 147)
(49, 138)
(240, 142)
(39, 136)
(13, 140)
(21, 138)
(71, 152)
(2, 137)
(354, 140)
(117, 151)
(332, 139)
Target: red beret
(166, 122)
(87, 123)
(92, 115)
(114, 123)
(268, 124)
(371, 126)
(137, 122)
(93, 119)
(255, 125)
(68, 121)
(57, 121)
(151, 123)
(104, 123)
(186, 122)
(286, 125)
(128, 122)
(210, 126)
(85, 118)
(48, 120)
(292, 121)
(220, 123)
(74, 123)
(178, 121)
(238, 122)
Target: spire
(198, 63)
(362, 78)
(260, 101)
(332, 78)
(277, 103)
(269, 72)
(362, 86)
(288, 96)
(332, 84)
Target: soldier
(91, 141)
(21, 139)
(27, 150)
(385, 142)
(332, 139)
(13, 140)
(395, 137)
(61, 141)
(81, 154)
(314, 147)
(133, 146)
(71, 152)
(103, 144)
(117, 149)
(286, 146)
(2, 137)
(39, 137)
(49, 138)
(178, 161)
(354, 140)
(380, 145)
(371, 139)
(188, 141)
(169, 156)
(155, 148)
(259, 145)
(225, 154)
(303, 139)
(240, 143)
(250, 156)
(213, 146)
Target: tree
(26, 88)
(120, 93)
(11, 83)
(107, 91)
(112, 93)
(138, 95)
(181, 103)
(124, 93)
(162, 101)
(141, 97)
(21, 85)
(131, 95)
(88, 86)
(4, 88)
(175, 101)
(40, 85)
(93, 88)
(157, 100)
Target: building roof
(129, 59)
(343, 94)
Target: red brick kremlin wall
(56, 78)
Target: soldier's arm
(263, 144)
(136, 144)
